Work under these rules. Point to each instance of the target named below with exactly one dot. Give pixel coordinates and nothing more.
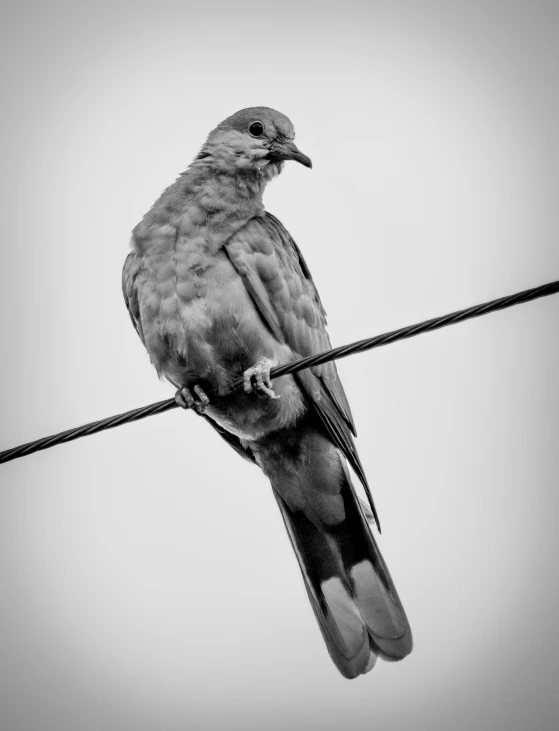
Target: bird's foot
(258, 378)
(192, 398)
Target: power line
(342, 352)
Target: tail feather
(350, 589)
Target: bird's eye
(256, 129)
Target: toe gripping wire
(336, 353)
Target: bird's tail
(350, 589)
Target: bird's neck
(215, 191)
(232, 178)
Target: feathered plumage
(215, 286)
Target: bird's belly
(207, 331)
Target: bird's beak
(290, 151)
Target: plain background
(145, 578)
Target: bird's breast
(198, 320)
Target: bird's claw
(258, 378)
(194, 398)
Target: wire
(342, 352)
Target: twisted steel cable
(341, 352)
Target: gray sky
(146, 578)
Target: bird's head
(253, 140)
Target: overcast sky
(146, 578)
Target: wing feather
(130, 273)
(280, 284)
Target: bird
(219, 292)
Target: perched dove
(217, 289)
